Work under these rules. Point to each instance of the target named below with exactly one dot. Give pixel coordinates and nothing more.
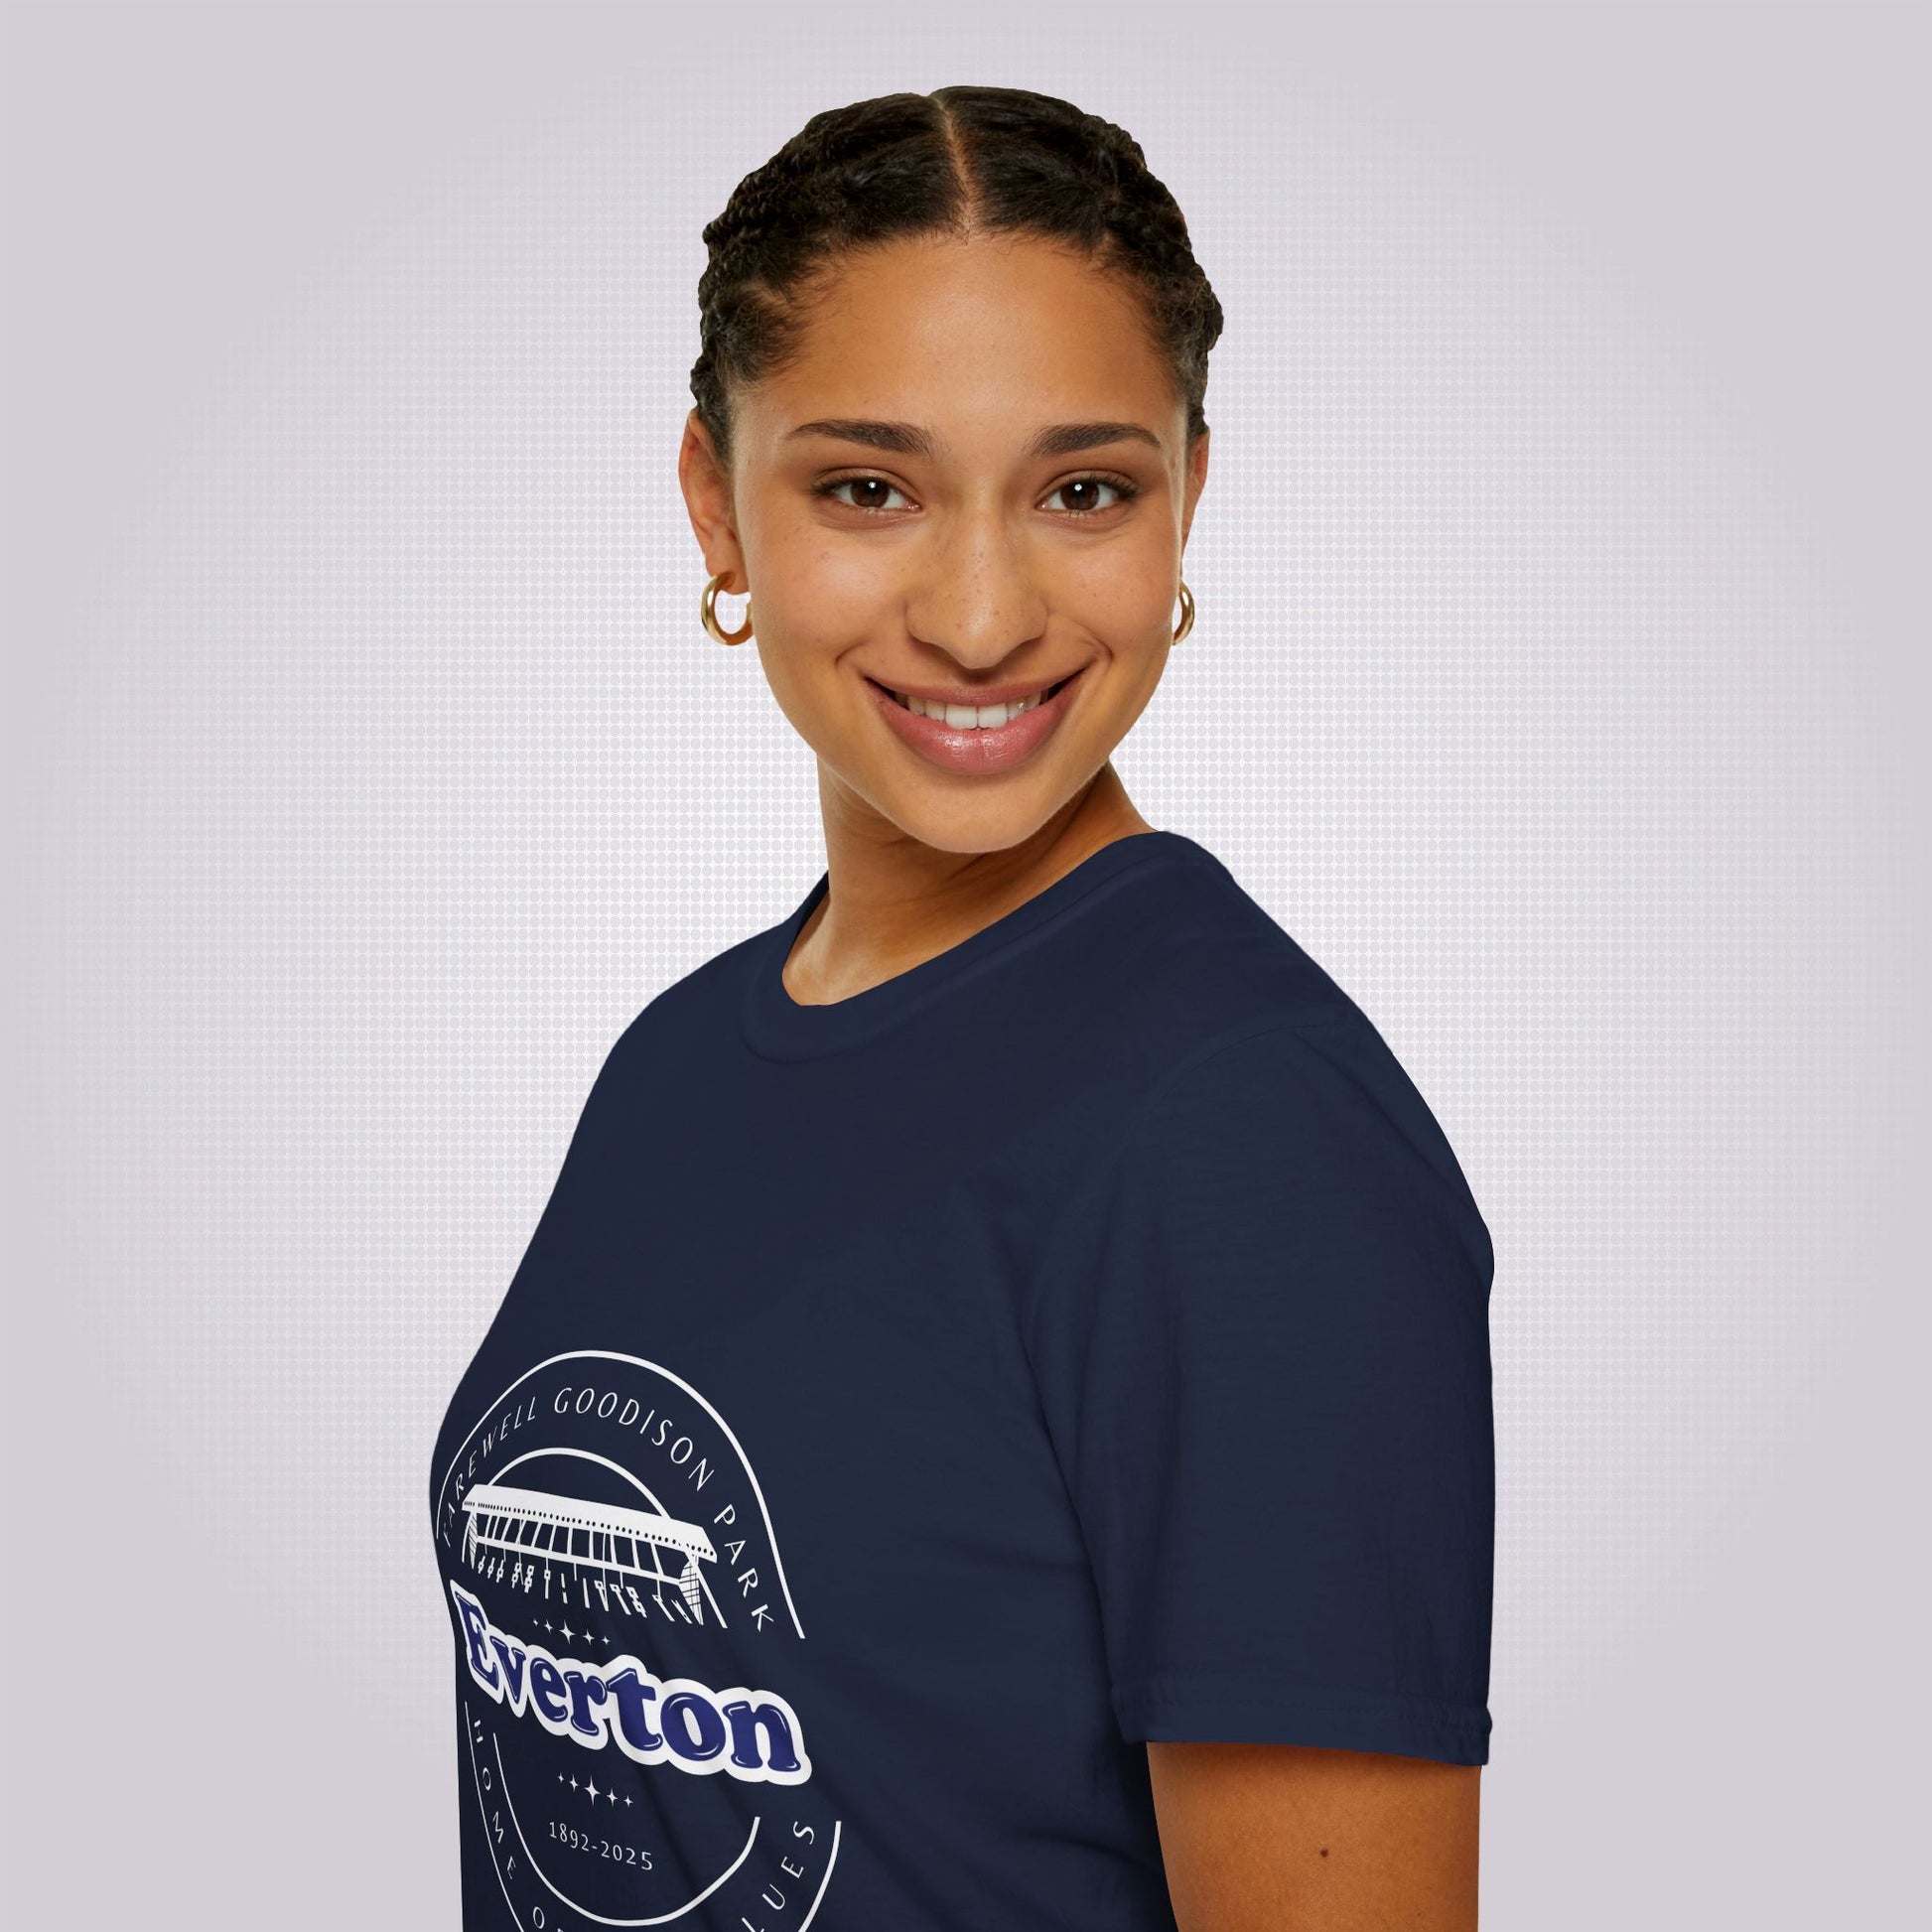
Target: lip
(972, 752)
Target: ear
(1197, 477)
(706, 484)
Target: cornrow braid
(960, 160)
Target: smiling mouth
(966, 717)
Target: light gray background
(1559, 683)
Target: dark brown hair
(962, 160)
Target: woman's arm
(1284, 1838)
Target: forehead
(971, 336)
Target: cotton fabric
(909, 1407)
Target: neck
(893, 903)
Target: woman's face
(971, 484)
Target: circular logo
(624, 1625)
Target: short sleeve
(1266, 1374)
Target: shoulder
(1186, 967)
(1243, 1065)
(1309, 1124)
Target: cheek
(1123, 590)
(818, 591)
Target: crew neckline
(777, 1026)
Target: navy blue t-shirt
(908, 1406)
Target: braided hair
(960, 160)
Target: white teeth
(966, 717)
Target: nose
(976, 596)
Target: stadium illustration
(517, 1536)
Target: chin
(966, 817)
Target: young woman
(993, 1427)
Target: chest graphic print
(613, 1574)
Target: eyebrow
(1065, 439)
(909, 439)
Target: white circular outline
(772, 1541)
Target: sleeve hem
(1183, 1710)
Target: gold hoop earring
(708, 612)
(1186, 612)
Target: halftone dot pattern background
(1557, 682)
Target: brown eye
(1084, 494)
(869, 493)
